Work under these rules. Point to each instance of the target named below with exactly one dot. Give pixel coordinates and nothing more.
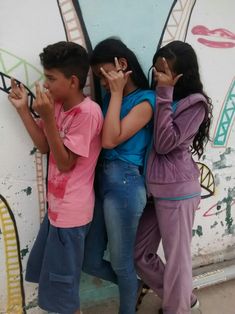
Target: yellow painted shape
(14, 293)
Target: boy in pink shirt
(69, 129)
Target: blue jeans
(120, 200)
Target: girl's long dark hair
(108, 49)
(184, 60)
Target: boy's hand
(18, 95)
(117, 79)
(43, 104)
(166, 78)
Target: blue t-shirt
(134, 149)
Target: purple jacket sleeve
(168, 132)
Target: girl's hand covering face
(165, 77)
(117, 78)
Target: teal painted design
(226, 118)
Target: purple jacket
(171, 170)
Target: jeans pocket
(62, 285)
(133, 174)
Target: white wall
(28, 26)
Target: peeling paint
(33, 151)
(198, 231)
(32, 304)
(214, 224)
(24, 252)
(28, 190)
(222, 163)
(229, 220)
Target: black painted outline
(97, 87)
(211, 192)
(83, 25)
(7, 90)
(61, 15)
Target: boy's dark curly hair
(69, 58)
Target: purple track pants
(171, 222)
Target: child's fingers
(105, 74)
(177, 78)
(46, 99)
(13, 83)
(15, 90)
(166, 67)
(22, 88)
(117, 64)
(34, 105)
(38, 92)
(156, 74)
(127, 74)
(10, 97)
(50, 98)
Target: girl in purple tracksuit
(181, 129)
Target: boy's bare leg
(78, 312)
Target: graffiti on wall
(22, 175)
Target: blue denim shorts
(55, 262)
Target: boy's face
(58, 84)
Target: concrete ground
(218, 299)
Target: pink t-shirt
(71, 194)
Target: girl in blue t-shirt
(120, 189)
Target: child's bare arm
(64, 158)
(19, 99)
(115, 130)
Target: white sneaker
(195, 306)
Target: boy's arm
(19, 99)
(44, 105)
(64, 158)
(36, 133)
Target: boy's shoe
(194, 307)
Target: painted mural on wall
(143, 25)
